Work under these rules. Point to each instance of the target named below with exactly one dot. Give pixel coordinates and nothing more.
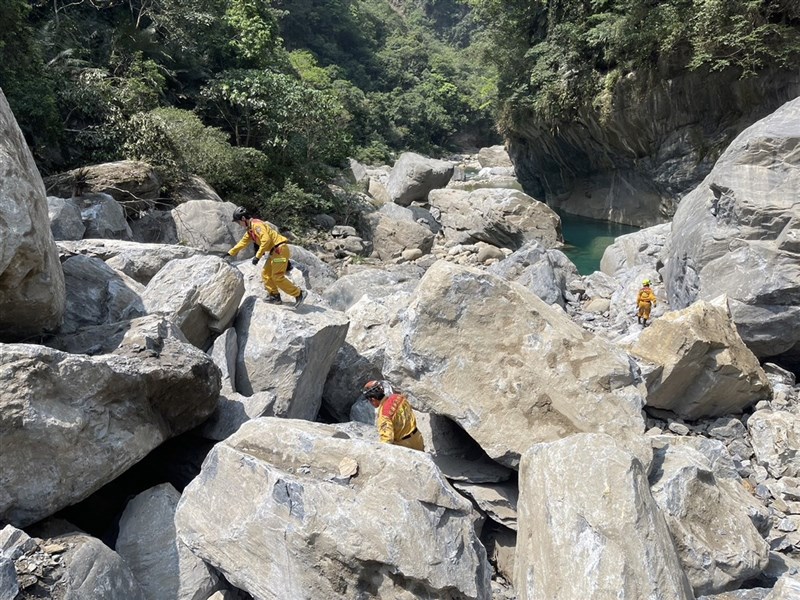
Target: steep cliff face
(658, 142)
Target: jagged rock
(734, 234)
(544, 272)
(103, 217)
(137, 260)
(702, 366)
(65, 219)
(718, 545)
(391, 236)
(376, 283)
(775, 436)
(589, 528)
(414, 175)
(87, 419)
(494, 156)
(134, 184)
(501, 217)
(641, 248)
(200, 294)
(497, 500)
(154, 227)
(9, 585)
(223, 353)
(98, 295)
(32, 294)
(534, 367)
(288, 353)
(787, 588)
(162, 565)
(207, 226)
(193, 188)
(336, 533)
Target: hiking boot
(274, 299)
(299, 299)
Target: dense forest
(558, 58)
(265, 98)
(261, 98)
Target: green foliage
(559, 57)
(259, 97)
(292, 206)
(294, 123)
(27, 85)
(177, 141)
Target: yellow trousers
(274, 273)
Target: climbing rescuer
(644, 300)
(396, 421)
(275, 246)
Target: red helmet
(373, 390)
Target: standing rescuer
(645, 299)
(275, 246)
(396, 421)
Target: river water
(586, 240)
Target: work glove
(227, 258)
(255, 260)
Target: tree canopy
(260, 97)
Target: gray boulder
(589, 528)
(65, 219)
(97, 294)
(162, 565)
(346, 516)
(32, 294)
(490, 355)
(414, 175)
(501, 217)
(737, 232)
(88, 418)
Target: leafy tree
(28, 87)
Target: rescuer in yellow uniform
(396, 421)
(644, 300)
(275, 246)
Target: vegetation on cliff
(558, 58)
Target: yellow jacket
(646, 296)
(260, 233)
(395, 419)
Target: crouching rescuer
(276, 247)
(396, 421)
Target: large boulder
(546, 273)
(287, 353)
(641, 248)
(138, 261)
(200, 294)
(65, 218)
(392, 236)
(738, 233)
(589, 528)
(318, 513)
(207, 226)
(32, 294)
(97, 294)
(508, 368)
(698, 364)
(103, 217)
(414, 175)
(501, 217)
(134, 184)
(78, 421)
(717, 543)
(162, 564)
